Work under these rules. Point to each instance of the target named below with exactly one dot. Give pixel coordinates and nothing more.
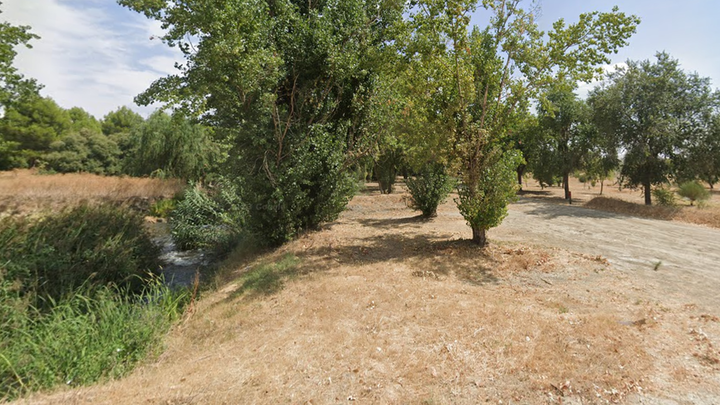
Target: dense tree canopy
(32, 123)
(171, 146)
(653, 111)
(287, 83)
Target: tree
(122, 120)
(287, 83)
(12, 83)
(652, 110)
(171, 146)
(563, 125)
(701, 156)
(83, 151)
(32, 123)
(485, 78)
(81, 119)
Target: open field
(24, 191)
(630, 202)
(382, 307)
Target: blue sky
(97, 55)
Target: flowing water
(180, 267)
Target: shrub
(664, 196)
(85, 245)
(693, 191)
(307, 187)
(202, 220)
(430, 189)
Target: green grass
(268, 278)
(85, 337)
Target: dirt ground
(567, 305)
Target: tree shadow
(530, 193)
(392, 223)
(434, 255)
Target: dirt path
(687, 256)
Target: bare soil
(567, 305)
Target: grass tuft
(268, 278)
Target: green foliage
(484, 203)
(652, 110)
(81, 119)
(163, 208)
(693, 191)
(12, 83)
(173, 145)
(91, 246)
(289, 87)
(84, 337)
(430, 189)
(701, 155)
(565, 134)
(83, 151)
(34, 122)
(473, 97)
(77, 304)
(386, 169)
(208, 220)
(664, 196)
(122, 120)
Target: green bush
(82, 338)
(203, 220)
(86, 245)
(309, 186)
(664, 197)
(429, 189)
(163, 208)
(693, 191)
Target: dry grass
(25, 191)
(709, 216)
(383, 307)
(629, 202)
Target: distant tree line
(651, 123)
(36, 132)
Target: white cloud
(91, 54)
(584, 88)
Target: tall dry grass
(26, 191)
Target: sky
(97, 55)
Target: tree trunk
(479, 238)
(602, 185)
(648, 195)
(566, 183)
(520, 171)
(519, 174)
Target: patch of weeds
(268, 278)
(163, 208)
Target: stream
(179, 267)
